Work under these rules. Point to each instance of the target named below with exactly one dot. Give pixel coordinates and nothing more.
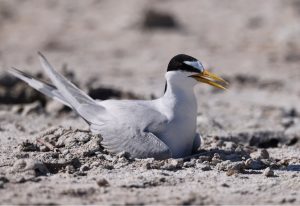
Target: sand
(120, 49)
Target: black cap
(177, 63)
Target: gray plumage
(161, 128)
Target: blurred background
(121, 49)
(126, 45)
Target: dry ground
(120, 49)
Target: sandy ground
(120, 49)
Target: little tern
(160, 128)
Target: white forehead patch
(195, 64)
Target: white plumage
(160, 128)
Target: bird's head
(192, 68)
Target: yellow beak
(211, 79)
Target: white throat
(180, 89)
(179, 105)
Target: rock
(254, 164)
(230, 145)
(216, 159)
(172, 164)
(225, 185)
(190, 163)
(123, 154)
(268, 172)
(202, 159)
(231, 167)
(261, 154)
(102, 182)
(91, 146)
(82, 136)
(35, 167)
(287, 122)
(3, 180)
(27, 146)
(65, 152)
(223, 166)
(84, 168)
(264, 154)
(204, 167)
(70, 169)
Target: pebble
(205, 168)
(102, 182)
(35, 167)
(84, 168)
(123, 154)
(172, 164)
(190, 163)
(216, 159)
(82, 136)
(231, 167)
(268, 172)
(264, 154)
(70, 169)
(254, 164)
(65, 152)
(202, 159)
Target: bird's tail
(41, 86)
(65, 92)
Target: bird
(160, 128)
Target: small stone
(84, 168)
(231, 172)
(27, 146)
(70, 169)
(43, 148)
(264, 154)
(287, 122)
(202, 159)
(82, 137)
(102, 182)
(65, 152)
(224, 185)
(217, 155)
(172, 164)
(231, 167)
(216, 159)
(123, 154)
(254, 164)
(230, 145)
(190, 163)
(34, 167)
(205, 168)
(268, 172)
(248, 162)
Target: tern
(160, 128)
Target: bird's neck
(179, 94)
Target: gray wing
(134, 129)
(41, 86)
(83, 104)
(138, 144)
